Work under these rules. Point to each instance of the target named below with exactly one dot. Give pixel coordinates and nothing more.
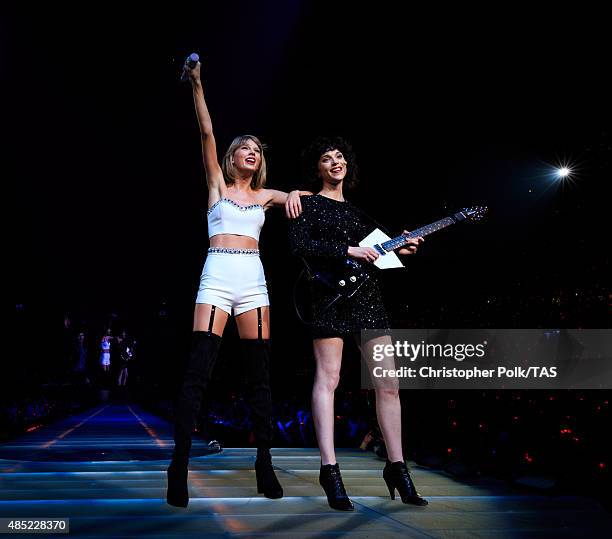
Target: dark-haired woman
(327, 232)
(232, 282)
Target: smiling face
(332, 167)
(330, 160)
(247, 157)
(244, 158)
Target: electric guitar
(347, 280)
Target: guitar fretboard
(398, 242)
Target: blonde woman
(232, 283)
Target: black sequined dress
(322, 235)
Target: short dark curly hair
(313, 152)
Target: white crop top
(228, 217)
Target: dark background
(445, 107)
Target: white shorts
(233, 279)
(105, 358)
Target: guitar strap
(372, 220)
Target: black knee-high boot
(256, 355)
(202, 358)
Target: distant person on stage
(328, 232)
(105, 351)
(232, 282)
(80, 367)
(125, 351)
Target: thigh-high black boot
(256, 354)
(204, 349)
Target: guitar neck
(426, 230)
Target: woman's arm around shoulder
(291, 201)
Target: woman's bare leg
(201, 318)
(248, 324)
(388, 407)
(328, 355)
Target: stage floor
(100, 470)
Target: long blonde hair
(229, 171)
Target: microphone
(190, 62)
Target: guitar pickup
(380, 250)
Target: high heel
(331, 481)
(397, 476)
(267, 483)
(177, 494)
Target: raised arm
(214, 174)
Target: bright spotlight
(563, 172)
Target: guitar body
(346, 280)
(352, 275)
(386, 259)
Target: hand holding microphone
(189, 67)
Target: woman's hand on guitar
(363, 254)
(411, 245)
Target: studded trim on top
(233, 251)
(241, 208)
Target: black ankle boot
(331, 481)
(396, 476)
(267, 483)
(204, 349)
